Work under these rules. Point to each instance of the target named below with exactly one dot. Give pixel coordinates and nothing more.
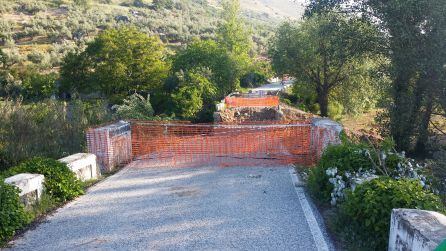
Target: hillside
(42, 32)
(277, 9)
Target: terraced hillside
(42, 32)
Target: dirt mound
(292, 114)
(246, 114)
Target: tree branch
(438, 128)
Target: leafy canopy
(233, 34)
(195, 91)
(117, 62)
(414, 41)
(323, 51)
(208, 54)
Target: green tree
(118, 62)
(366, 88)
(323, 52)
(233, 34)
(415, 44)
(208, 54)
(194, 94)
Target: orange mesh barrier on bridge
(158, 145)
(111, 144)
(268, 101)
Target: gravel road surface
(208, 208)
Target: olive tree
(322, 51)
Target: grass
(365, 121)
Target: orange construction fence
(111, 144)
(268, 101)
(179, 145)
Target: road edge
(315, 229)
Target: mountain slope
(275, 8)
(42, 32)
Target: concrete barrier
(325, 132)
(111, 144)
(84, 165)
(30, 185)
(417, 230)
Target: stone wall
(416, 230)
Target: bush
(345, 158)
(38, 86)
(135, 107)
(343, 166)
(193, 99)
(437, 170)
(364, 217)
(335, 110)
(30, 7)
(253, 79)
(12, 212)
(60, 182)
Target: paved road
(184, 209)
(276, 86)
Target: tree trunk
(423, 134)
(322, 99)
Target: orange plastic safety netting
(267, 101)
(173, 144)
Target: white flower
(383, 155)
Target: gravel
(242, 208)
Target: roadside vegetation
(357, 185)
(60, 186)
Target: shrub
(38, 86)
(253, 79)
(346, 165)
(60, 182)
(437, 171)
(364, 217)
(135, 107)
(12, 212)
(335, 110)
(50, 128)
(30, 7)
(344, 158)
